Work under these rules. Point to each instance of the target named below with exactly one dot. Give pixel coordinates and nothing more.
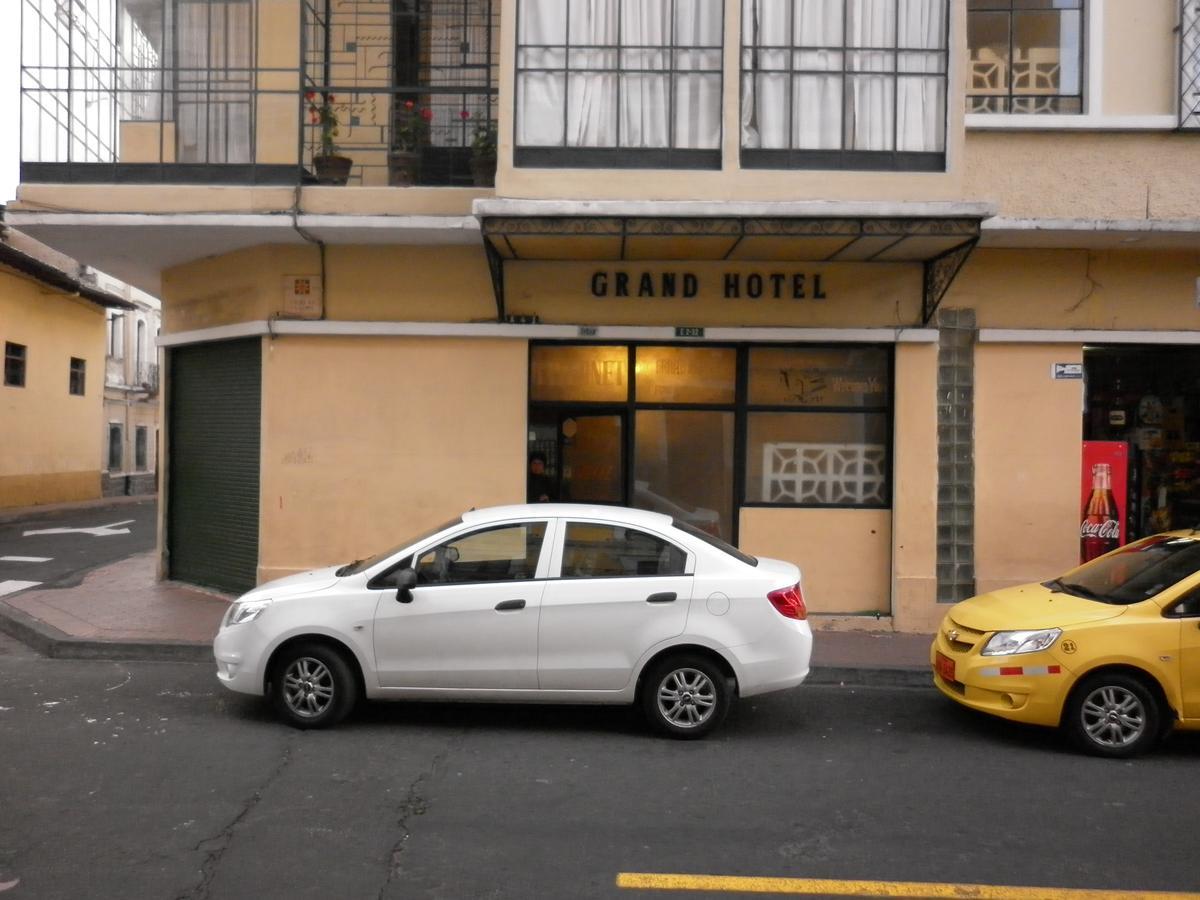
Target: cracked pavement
(149, 780)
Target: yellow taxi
(1109, 652)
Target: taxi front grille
(961, 638)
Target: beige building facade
(52, 392)
(844, 282)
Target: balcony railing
(231, 92)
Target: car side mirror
(406, 580)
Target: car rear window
(714, 541)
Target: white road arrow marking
(26, 558)
(11, 587)
(98, 531)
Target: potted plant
(483, 154)
(409, 134)
(330, 167)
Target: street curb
(49, 641)
(11, 514)
(879, 676)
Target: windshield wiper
(345, 570)
(1081, 590)
(1058, 586)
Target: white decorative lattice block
(849, 474)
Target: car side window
(501, 553)
(614, 551)
(1188, 606)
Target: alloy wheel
(1113, 716)
(308, 687)
(686, 697)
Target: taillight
(789, 601)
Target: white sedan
(552, 603)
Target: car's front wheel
(1113, 714)
(686, 696)
(313, 686)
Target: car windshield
(1134, 573)
(714, 541)
(361, 565)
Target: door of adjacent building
(214, 426)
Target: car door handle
(664, 597)
(505, 605)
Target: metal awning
(940, 236)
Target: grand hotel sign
(668, 284)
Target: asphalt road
(149, 780)
(63, 556)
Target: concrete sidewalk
(121, 612)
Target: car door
(471, 620)
(620, 590)
(1188, 611)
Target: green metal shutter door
(215, 425)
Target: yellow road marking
(839, 888)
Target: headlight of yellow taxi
(1011, 643)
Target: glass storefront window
(819, 377)
(704, 430)
(817, 459)
(686, 375)
(683, 467)
(580, 374)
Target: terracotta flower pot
(332, 169)
(402, 168)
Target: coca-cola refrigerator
(1104, 522)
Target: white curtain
(880, 111)
(870, 103)
(575, 87)
(921, 99)
(215, 58)
(699, 26)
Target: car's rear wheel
(1113, 714)
(686, 696)
(313, 686)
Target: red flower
(464, 115)
(310, 96)
(408, 104)
(329, 98)
(314, 117)
(427, 114)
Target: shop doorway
(581, 455)
(1149, 399)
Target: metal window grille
(139, 448)
(409, 87)
(1189, 64)
(116, 441)
(1016, 67)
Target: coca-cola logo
(1109, 529)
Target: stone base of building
(143, 483)
(54, 487)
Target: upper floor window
(844, 84)
(1026, 56)
(14, 364)
(116, 335)
(77, 384)
(619, 83)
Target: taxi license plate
(945, 667)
